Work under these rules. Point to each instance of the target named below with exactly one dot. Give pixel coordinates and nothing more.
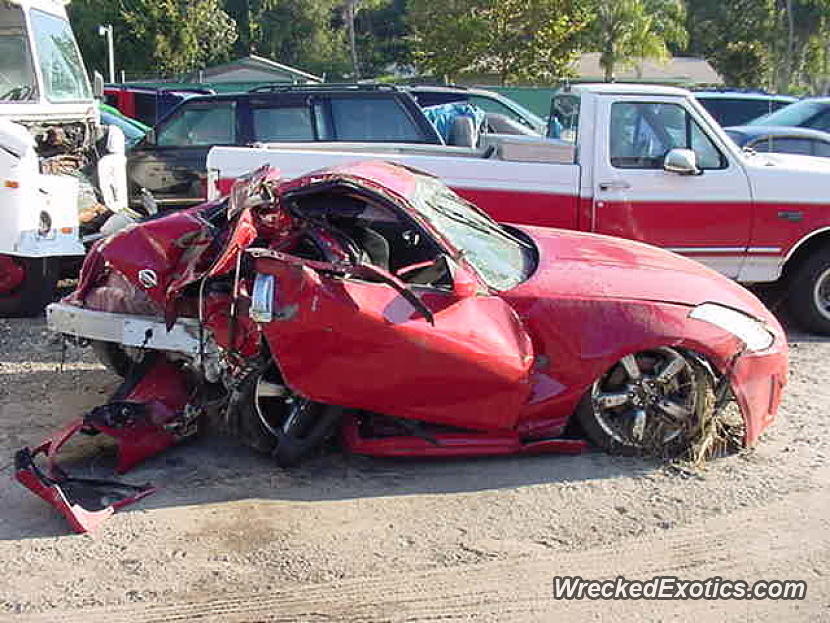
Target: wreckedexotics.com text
(673, 588)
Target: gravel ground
(232, 537)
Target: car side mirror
(682, 162)
(464, 285)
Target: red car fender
(578, 340)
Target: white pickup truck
(641, 162)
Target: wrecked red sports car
(372, 301)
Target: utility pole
(351, 11)
(106, 30)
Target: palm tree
(623, 30)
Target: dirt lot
(233, 538)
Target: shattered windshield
(502, 259)
(64, 78)
(17, 79)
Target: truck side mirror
(682, 162)
(116, 142)
(98, 85)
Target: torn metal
(149, 413)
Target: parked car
(781, 139)
(149, 105)
(375, 302)
(811, 113)
(133, 130)
(171, 161)
(730, 108)
(504, 115)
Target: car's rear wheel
(272, 419)
(651, 402)
(27, 284)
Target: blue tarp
(443, 116)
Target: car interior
(345, 224)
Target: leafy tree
(382, 34)
(625, 30)
(160, 36)
(350, 9)
(816, 72)
(240, 12)
(520, 40)
(214, 30)
(298, 32)
(801, 30)
(771, 43)
(733, 37)
(532, 41)
(86, 16)
(447, 35)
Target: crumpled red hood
(595, 266)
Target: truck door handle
(796, 216)
(615, 185)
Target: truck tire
(809, 293)
(34, 291)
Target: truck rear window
(564, 118)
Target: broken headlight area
(749, 330)
(150, 412)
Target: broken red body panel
(450, 445)
(144, 423)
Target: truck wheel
(809, 293)
(27, 284)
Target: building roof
(678, 69)
(251, 69)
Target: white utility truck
(57, 167)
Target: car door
(359, 340)
(173, 166)
(707, 216)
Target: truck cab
(705, 212)
(50, 138)
(656, 167)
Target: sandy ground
(231, 537)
